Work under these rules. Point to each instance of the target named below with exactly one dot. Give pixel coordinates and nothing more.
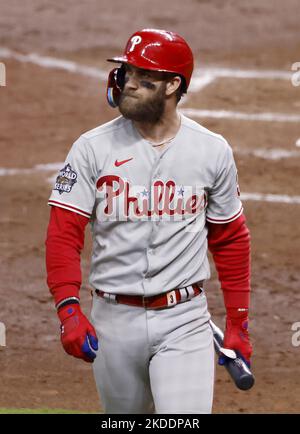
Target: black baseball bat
(237, 368)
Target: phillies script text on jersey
(122, 200)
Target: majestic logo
(163, 200)
(135, 40)
(65, 180)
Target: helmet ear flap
(115, 84)
(121, 76)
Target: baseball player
(158, 190)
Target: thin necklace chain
(162, 143)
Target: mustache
(124, 94)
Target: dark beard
(149, 111)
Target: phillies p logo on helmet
(135, 40)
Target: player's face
(143, 97)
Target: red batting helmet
(156, 50)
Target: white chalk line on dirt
(266, 154)
(53, 62)
(38, 168)
(229, 114)
(275, 198)
(269, 154)
(202, 77)
(261, 197)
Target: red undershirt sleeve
(230, 247)
(64, 243)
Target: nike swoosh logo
(119, 163)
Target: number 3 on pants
(171, 297)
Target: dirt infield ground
(44, 110)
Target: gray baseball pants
(154, 361)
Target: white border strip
(228, 114)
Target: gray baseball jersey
(148, 208)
